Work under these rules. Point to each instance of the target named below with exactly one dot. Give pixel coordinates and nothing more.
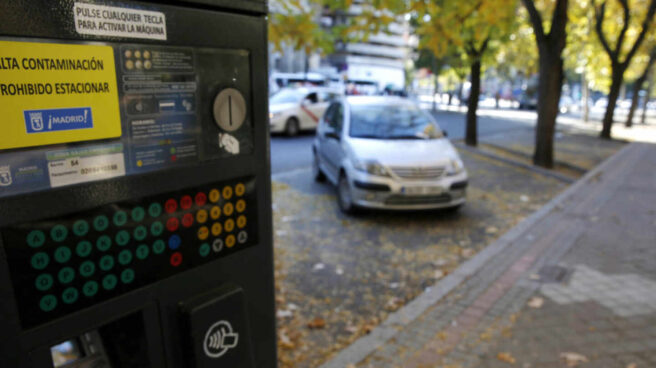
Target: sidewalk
(586, 264)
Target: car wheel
(344, 199)
(292, 127)
(317, 174)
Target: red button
(170, 206)
(176, 259)
(186, 202)
(187, 220)
(201, 199)
(172, 224)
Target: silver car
(385, 152)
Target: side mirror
(331, 133)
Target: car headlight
(455, 167)
(274, 115)
(370, 167)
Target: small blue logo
(52, 120)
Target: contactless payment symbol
(219, 339)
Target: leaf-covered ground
(337, 276)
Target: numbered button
(215, 195)
(200, 199)
(217, 245)
(100, 223)
(87, 268)
(229, 225)
(48, 303)
(90, 288)
(69, 296)
(154, 210)
(215, 212)
(106, 263)
(156, 228)
(176, 259)
(83, 248)
(186, 202)
(36, 238)
(230, 241)
(40, 260)
(201, 216)
(66, 275)
(122, 237)
(227, 192)
(140, 233)
(187, 220)
(142, 251)
(159, 246)
(125, 257)
(241, 221)
(204, 250)
(58, 233)
(170, 206)
(240, 189)
(120, 218)
(44, 282)
(228, 209)
(242, 237)
(203, 232)
(127, 276)
(174, 242)
(241, 205)
(103, 243)
(172, 224)
(109, 282)
(217, 229)
(62, 254)
(81, 228)
(138, 214)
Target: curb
(569, 166)
(366, 345)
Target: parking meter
(135, 205)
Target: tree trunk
(650, 85)
(585, 96)
(471, 135)
(450, 97)
(617, 79)
(634, 99)
(549, 90)
(307, 67)
(434, 65)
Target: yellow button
(214, 195)
(215, 212)
(230, 241)
(241, 205)
(201, 216)
(217, 229)
(240, 189)
(241, 221)
(229, 225)
(203, 232)
(228, 209)
(227, 192)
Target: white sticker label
(75, 170)
(101, 20)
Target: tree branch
(600, 12)
(558, 30)
(536, 20)
(625, 26)
(646, 24)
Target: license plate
(421, 190)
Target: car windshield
(392, 122)
(286, 96)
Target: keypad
(61, 265)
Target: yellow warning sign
(56, 93)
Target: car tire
(344, 199)
(292, 127)
(317, 174)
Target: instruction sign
(101, 20)
(57, 93)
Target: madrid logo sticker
(5, 176)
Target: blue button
(174, 242)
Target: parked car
(293, 110)
(385, 152)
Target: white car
(387, 153)
(294, 109)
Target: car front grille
(417, 200)
(419, 173)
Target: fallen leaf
(317, 323)
(368, 328)
(339, 271)
(351, 328)
(632, 365)
(393, 304)
(318, 266)
(536, 302)
(283, 313)
(506, 357)
(573, 359)
(285, 341)
(438, 274)
(350, 366)
(467, 252)
(491, 230)
(524, 198)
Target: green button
(83, 248)
(44, 282)
(106, 263)
(138, 214)
(142, 251)
(155, 209)
(36, 238)
(63, 254)
(40, 260)
(204, 250)
(48, 303)
(90, 288)
(69, 296)
(87, 268)
(125, 257)
(159, 246)
(156, 228)
(140, 232)
(122, 237)
(127, 276)
(81, 228)
(66, 275)
(100, 223)
(58, 233)
(109, 282)
(120, 218)
(104, 243)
